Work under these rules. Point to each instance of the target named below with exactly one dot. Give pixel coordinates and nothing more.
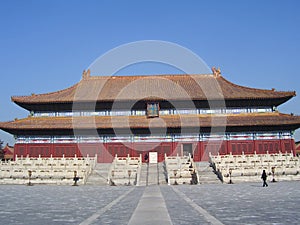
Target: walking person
(146, 157)
(264, 178)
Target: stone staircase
(181, 170)
(152, 174)
(206, 174)
(162, 173)
(249, 167)
(143, 181)
(99, 174)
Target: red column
(293, 146)
(282, 149)
(228, 147)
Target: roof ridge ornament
(216, 72)
(86, 74)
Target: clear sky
(45, 45)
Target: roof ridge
(145, 75)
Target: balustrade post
(129, 174)
(175, 174)
(273, 173)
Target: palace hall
(176, 114)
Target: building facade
(169, 114)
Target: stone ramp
(206, 174)
(152, 174)
(99, 174)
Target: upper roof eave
(186, 86)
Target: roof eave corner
(13, 99)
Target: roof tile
(170, 121)
(169, 87)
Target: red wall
(106, 151)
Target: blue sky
(45, 45)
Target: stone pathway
(247, 203)
(151, 209)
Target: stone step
(143, 176)
(161, 174)
(99, 174)
(206, 174)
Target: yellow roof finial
(216, 72)
(86, 74)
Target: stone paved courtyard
(247, 203)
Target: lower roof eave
(146, 131)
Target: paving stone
(122, 212)
(151, 208)
(180, 211)
(52, 204)
(249, 203)
(246, 203)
